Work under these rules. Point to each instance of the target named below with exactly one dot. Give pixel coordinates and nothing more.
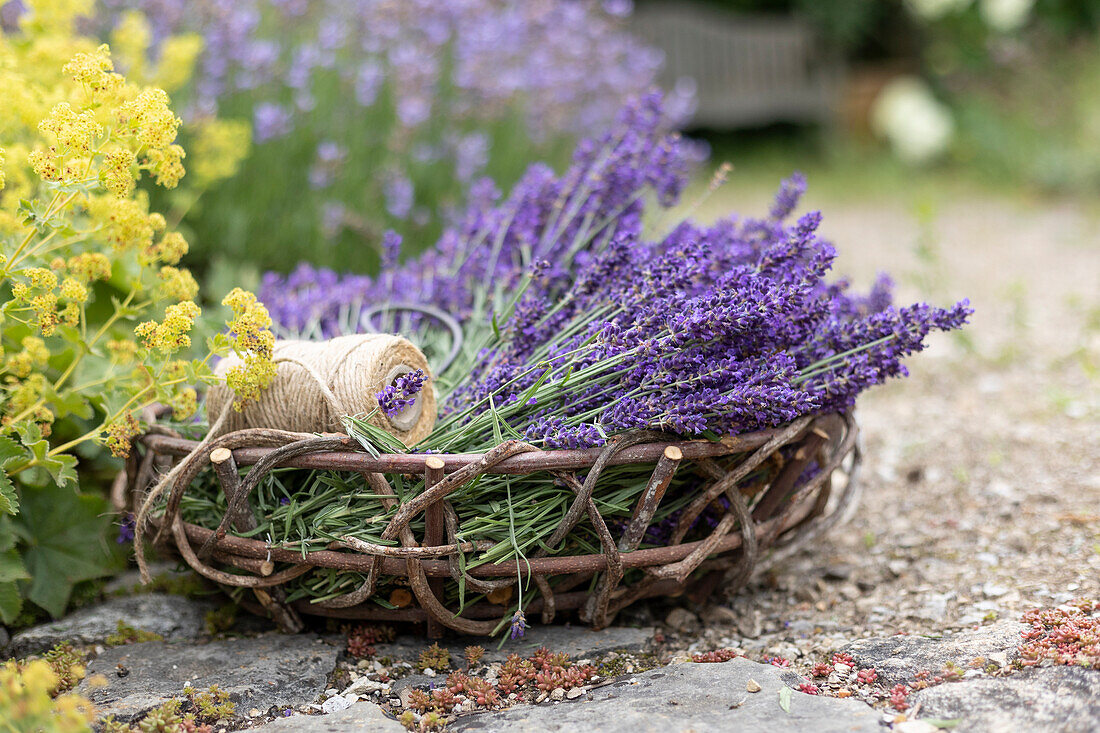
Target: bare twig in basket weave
(467, 473)
(849, 497)
(458, 574)
(386, 495)
(192, 465)
(735, 475)
(275, 601)
(370, 548)
(580, 502)
(261, 469)
(651, 498)
(597, 612)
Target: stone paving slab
(174, 617)
(686, 697)
(899, 658)
(271, 670)
(1046, 699)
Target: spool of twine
(318, 382)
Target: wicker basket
(812, 485)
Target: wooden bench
(748, 70)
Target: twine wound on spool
(316, 383)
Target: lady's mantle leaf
(64, 535)
(9, 450)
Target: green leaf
(785, 698)
(9, 501)
(942, 723)
(11, 567)
(7, 534)
(372, 437)
(11, 570)
(64, 536)
(61, 467)
(9, 449)
(11, 603)
(70, 402)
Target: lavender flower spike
(126, 529)
(402, 393)
(786, 200)
(519, 625)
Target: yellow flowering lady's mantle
(28, 701)
(97, 318)
(253, 339)
(97, 145)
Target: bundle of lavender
(556, 316)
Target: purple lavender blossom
(333, 217)
(391, 250)
(270, 121)
(466, 82)
(519, 625)
(553, 432)
(497, 240)
(572, 62)
(789, 194)
(10, 12)
(399, 196)
(126, 529)
(326, 167)
(471, 155)
(368, 80)
(395, 398)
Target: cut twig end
(220, 455)
(673, 453)
(434, 462)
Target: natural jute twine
(316, 383)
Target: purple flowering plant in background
(373, 114)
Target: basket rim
(354, 458)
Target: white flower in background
(1006, 16)
(935, 9)
(917, 125)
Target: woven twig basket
(812, 487)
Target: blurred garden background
(954, 142)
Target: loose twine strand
(338, 377)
